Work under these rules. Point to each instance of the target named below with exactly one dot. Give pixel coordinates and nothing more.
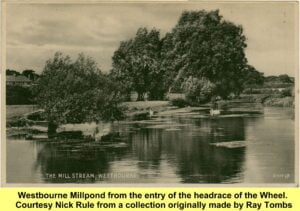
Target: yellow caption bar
(150, 198)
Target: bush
(255, 98)
(37, 116)
(18, 95)
(261, 91)
(179, 102)
(287, 92)
(198, 90)
(18, 122)
(278, 85)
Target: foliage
(204, 45)
(278, 85)
(31, 74)
(285, 78)
(136, 63)
(279, 79)
(17, 122)
(179, 102)
(259, 91)
(255, 98)
(287, 92)
(18, 95)
(198, 90)
(251, 77)
(12, 72)
(75, 92)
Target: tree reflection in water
(186, 149)
(66, 161)
(189, 150)
(166, 150)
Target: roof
(19, 78)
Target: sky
(34, 32)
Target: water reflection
(197, 160)
(164, 149)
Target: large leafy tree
(252, 77)
(76, 92)
(12, 72)
(136, 63)
(202, 44)
(31, 74)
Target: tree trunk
(156, 95)
(140, 96)
(52, 127)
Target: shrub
(179, 102)
(287, 92)
(18, 95)
(198, 90)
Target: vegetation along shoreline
(200, 64)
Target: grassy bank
(142, 105)
(15, 111)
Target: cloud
(36, 31)
(57, 32)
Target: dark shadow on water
(188, 152)
(78, 162)
(200, 162)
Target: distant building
(18, 80)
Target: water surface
(165, 149)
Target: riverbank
(141, 109)
(270, 100)
(33, 127)
(279, 102)
(14, 112)
(19, 117)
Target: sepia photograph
(150, 93)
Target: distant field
(18, 110)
